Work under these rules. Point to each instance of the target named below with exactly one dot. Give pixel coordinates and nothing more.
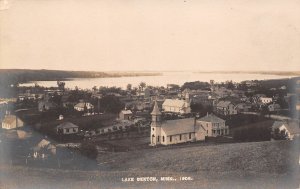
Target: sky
(150, 35)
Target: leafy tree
(229, 85)
(94, 89)
(129, 87)
(195, 85)
(280, 135)
(111, 104)
(142, 85)
(61, 85)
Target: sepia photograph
(149, 94)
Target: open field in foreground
(239, 165)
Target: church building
(166, 132)
(174, 131)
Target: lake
(162, 80)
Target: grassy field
(238, 165)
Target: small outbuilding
(67, 128)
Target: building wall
(13, 125)
(70, 130)
(214, 129)
(125, 116)
(176, 138)
(200, 135)
(171, 109)
(156, 132)
(266, 100)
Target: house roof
(174, 103)
(293, 127)
(278, 124)
(179, 126)
(223, 103)
(126, 112)
(82, 104)
(44, 144)
(211, 118)
(67, 125)
(9, 119)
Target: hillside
(25, 75)
(240, 165)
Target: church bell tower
(155, 134)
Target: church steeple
(155, 135)
(156, 114)
(155, 110)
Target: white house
(265, 100)
(11, 122)
(82, 105)
(213, 125)
(125, 115)
(177, 105)
(173, 131)
(67, 128)
(44, 149)
(226, 108)
(291, 128)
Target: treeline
(195, 85)
(25, 75)
(10, 78)
(254, 134)
(258, 131)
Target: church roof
(174, 103)
(155, 109)
(211, 118)
(179, 126)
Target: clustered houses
(177, 105)
(166, 132)
(226, 108)
(81, 106)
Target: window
(179, 137)
(157, 138)
(206, 131)
(74, 130)
(152, 129)
(190, 135)
(67, 130)
(163, 138)
(170, 138)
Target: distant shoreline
(28, 75)
(281, 73)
